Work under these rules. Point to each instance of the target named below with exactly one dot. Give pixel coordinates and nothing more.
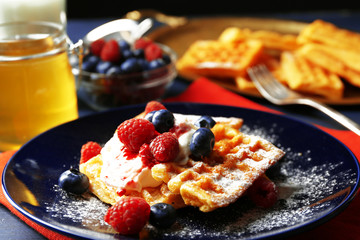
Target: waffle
(108, 194)
(212, 58)
(331, 54)
(92, 170)
(342, 62)
(271, 40)
(236, 161)
(219, 180)
(328, 34)
(244, 83)
(303, 76)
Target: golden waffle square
(219, 180)
(303, 76)
(244, 83)
(328, 34)
(342, 62)
(212, 58)
(92, 169)
(271, 40)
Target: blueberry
(103, 67)
(149, 116)
(163, 120)
(205, 121)
(139, 53)
(114, 70)
(127, 53)
(202, 142)
(124, 45)
(162, 215)
(143, 63)
(130, 65)
(90, 63)
(74, 181)
(166, 59)
(157, 63)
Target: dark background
(118, 8)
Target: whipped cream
(131, 174)
(121, 172)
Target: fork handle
(340, 118)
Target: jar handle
(76, 51)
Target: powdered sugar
(85, 211)
(306, 193)
(303, 196)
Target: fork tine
(277, 93)
(267, 78)
(257, 75)
(268, 85)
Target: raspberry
(165, 147)
(263, 192)
(129, 215)
(89, 150)
(97, 46)
(152, 52)
(142, 43)
(135, 132)
(146, 156)
(153, 106)
(111, 51)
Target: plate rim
(283, 232)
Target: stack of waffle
(318, 61)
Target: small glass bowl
(102, 92)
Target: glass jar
(37, 87)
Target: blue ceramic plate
(317, 179)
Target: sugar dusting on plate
(303, 195)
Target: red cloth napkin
(344, 226)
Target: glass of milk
(33, 10)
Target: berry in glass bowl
(114, 73)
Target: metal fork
(275, 92)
